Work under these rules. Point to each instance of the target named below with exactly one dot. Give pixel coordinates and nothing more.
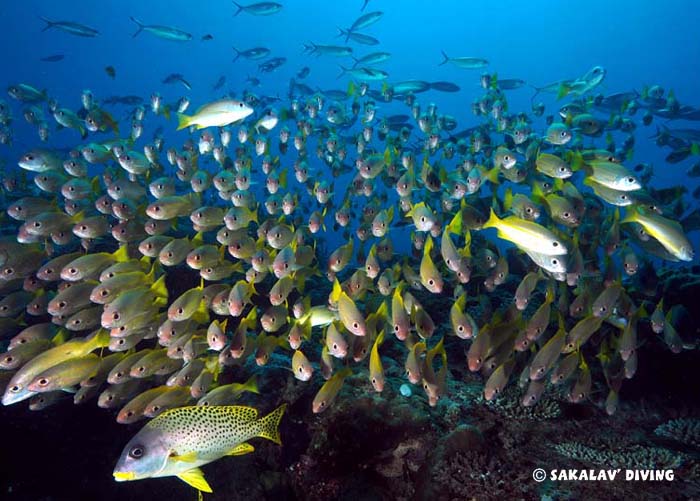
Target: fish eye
(43, 381)
(137, 451)
(115, 316)
(62, 304)
(630, 180)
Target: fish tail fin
(508, 199)
(139, 24)
(238, 54)
(251, 385)
(446, 58)
(564, 90)
(492, 221)
(492, 175)
(121, 255)
(342, 32)
(269, 425)
(240, 8)
(49, 24)
(183, 121)
(99, 339)
(344, 70)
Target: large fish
(179, 441)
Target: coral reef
(684, 431)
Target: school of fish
(246, 199)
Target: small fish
(429, 274)
(329, 391)
(666, 231)
(469, 63)
(527, 235)
(547, 355)
(73, 28)
(54, 58)
(111, 72)
(259, 8)
(216, 114)
(164, 32)
(301, 366)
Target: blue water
(640, 43)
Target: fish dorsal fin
(241, 449)
(242, 413)
(195, 478)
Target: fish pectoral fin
(241, 449)
(190, 457)
(195, 478)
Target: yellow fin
(241, 449)
(269, 425)
(121, 255)
(201, 315)
(159, 287)
(190, 457)
(195, 478)
(183, 121)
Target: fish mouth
(124, 476)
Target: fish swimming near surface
(164, 32)
(71, 27)
(259, 8)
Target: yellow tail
(269, 425)
(183, 121)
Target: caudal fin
(139, 24)
(238, 54)
(183, 121)
(240, 8)
(446, 58)
(49, 24)
(269, 425)
(345, 33)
